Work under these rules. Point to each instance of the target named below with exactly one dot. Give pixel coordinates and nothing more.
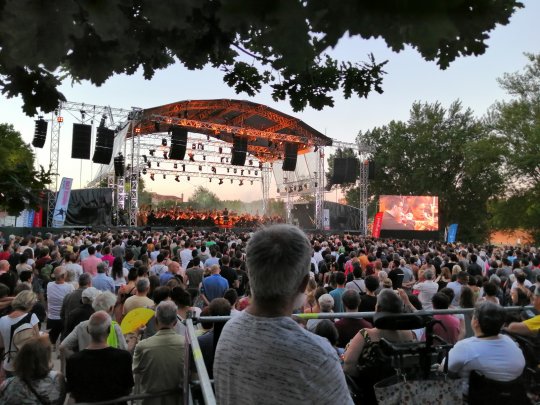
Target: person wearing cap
(529, 327)
(56, 292)
(281, 363)
(83, 312)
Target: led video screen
(409, 213)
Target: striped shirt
(274, 361)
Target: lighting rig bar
(204, 163)
(174, 174)
(354, 146)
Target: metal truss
(265, 183)
(120, 192)
(319, 191)
(51, 204)
(56, 123)
(363, 204)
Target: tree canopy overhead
(283, 44)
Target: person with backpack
(16, 328)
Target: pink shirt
(89, 265)
(108, 258)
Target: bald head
(59, 273)
(174, 267)
(99, 326)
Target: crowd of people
(66, 295)
(189, 217)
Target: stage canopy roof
(267, 130)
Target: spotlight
(152, 151)
(149, 165)
(277, 190)
(145, 158)
(204, 157)
(210, 180)
(220, 149)
(152, 177)
(235, 171)
(251, 182)
(177, 179)
(183, 167)
(221, 159)
(228, 170)
(193, 146)
(157, 127)
(188, 178)
(256, 172)
(164, 177)
(242, 172)
(241, 183)
(176, 165)
(144, 171)
(191, 157)
(164, 142)
(220, 181)
(231, 181)
(250, 162)
(157, 164)
(165, 154)
(213, 170)
(200, 167)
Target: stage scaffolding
(208, 153)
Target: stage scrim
(90, 207)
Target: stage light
(232, 181)
(242, 172)
(144, 171)
(210, 179)
(213, 169)
(157, 126)
(152, 151)
(277, 190)
(169, 131)
(188, 178)
(193, 146)
(249, 171)
(157, 164)
(149, 165)
(220, 149)
(241, 183)
(165, 154)
(152, 177)
(204, 157)
(200, 167)
(200, 146)
(191, 157)
(251, 182)
(220, 181)
(138, 130)
(183, 167)
(228, 170)
(235, 171)
(177, 179)
(316, 184)
(60, 119)
(260, 165)
(164, 142)
(176, 165)
(164, 177)
(221, 159)
(226, 160)
(145, 158)
(250, 162)
(256, 172)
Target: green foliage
(204, 199)
(340, 153)
(441, 152)
(279, 43)
(20, 183)
(516, 123)
(145, 197)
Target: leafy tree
(280, 43)
(517, 125)
(203, 199)
(441, 152)
(20, 183)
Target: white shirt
(427, 290)
(55, 297)
(76, 268)
(357, 285)
(527, 284)
(185, 256)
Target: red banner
(377, 222)
(38, 218)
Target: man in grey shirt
(265, 357)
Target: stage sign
(409, 213)
(62, 202)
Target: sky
(409, 78)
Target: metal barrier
(204, 381)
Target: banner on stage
(452, 233)
(62, 202)
(326, 219)
(377, 222)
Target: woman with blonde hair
(35, 382)
(22, 305)
(310, 303)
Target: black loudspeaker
(178, 143)
(81, 141)
(371, 170)
(239, 151)
(346, 170)
(40, 133)
(104, 146)
(291, 153)
(119, 166)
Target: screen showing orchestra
(409, 213)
